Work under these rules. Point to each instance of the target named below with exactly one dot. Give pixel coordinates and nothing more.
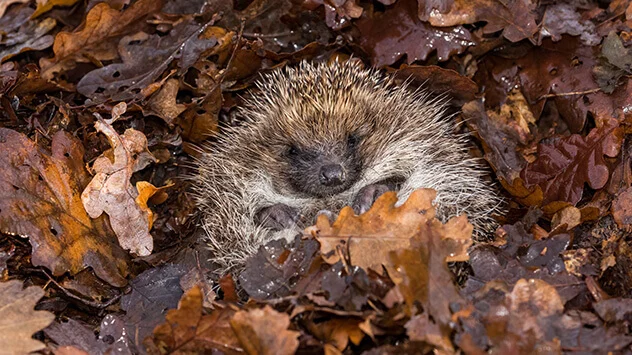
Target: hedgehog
(317, 137)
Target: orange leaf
(41, 200)
(188, 331)
(264, 331)
(370, 237)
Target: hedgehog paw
(278, 217)
(367, 196)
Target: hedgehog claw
(330, 215)
(278, 217)
(367, 196)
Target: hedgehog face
(322, 169)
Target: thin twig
(270, 35)
(570, 93)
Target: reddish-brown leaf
(337, 13)
(564, 166)
(422, 275)
(563, 71)
(338, 332)
(164, 104)
(622, 209)
(461, 89)
(388, 36)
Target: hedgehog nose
(332, 175)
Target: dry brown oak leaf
(370, 237)
(421, 328)
(188, 331)
(18, 319)
(40, 199)
(421, 275)
(97, 37)
(563, 167)
(164, 103)
(264, 331)
(516, 18)
(111, 191)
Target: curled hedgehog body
(322, 136)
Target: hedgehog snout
(332, 175)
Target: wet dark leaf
(390, 35)
(274, 270)
(145, 57)
(564, 166)
(153, 292)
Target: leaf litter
(542, 86)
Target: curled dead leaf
(163, 103)
(566, 219)
(338, 332)
(111, 191)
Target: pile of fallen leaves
(102, 106)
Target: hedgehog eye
(293, 150)
(353, 140)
